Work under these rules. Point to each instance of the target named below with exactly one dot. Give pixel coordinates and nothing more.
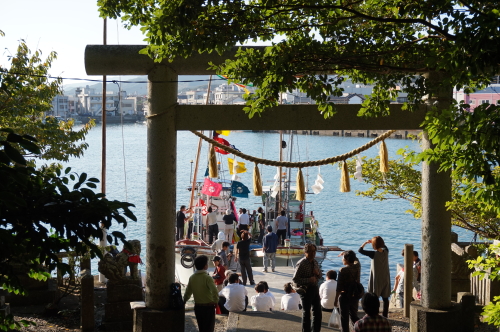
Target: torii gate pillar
(160, 200)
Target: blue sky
(64, 26)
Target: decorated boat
(222, 195)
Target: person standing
(328, 291)
(281, 225)
(213, 228)
(262, 223)
(348, 275)
(372, 321)
(380, 279)
(179, 225)
(202, 287)
(243, 222)
(305, 278)
(229, 220)
(269, 246)
(242, 253)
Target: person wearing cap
(219, 273)
(229, 220)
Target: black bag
(177, 301)
(356, 290)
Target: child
(205, 295)
(223, 256)
(261, 302)
(219, 273)
(328, 291)
(291, 300)
(268, 292)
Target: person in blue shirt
(269, 246)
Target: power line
(107, 81)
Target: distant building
(90, 102)
(226, 94)
(348, 98)
(490, 95)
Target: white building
(90, 102)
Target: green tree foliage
(41, 214)
(389, 42)
(26, 94)
(44, 210)
(403, 181)
(488, 267)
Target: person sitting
(328, 291)
(291, 300)
(226, 280)
(261, 302)
(219, 273)
(267, 291)
(372, 321)
(233, 297)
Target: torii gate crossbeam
(166, 117)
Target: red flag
(203, 207)
(211, 188)
(221, 141)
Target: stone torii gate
(166, 117)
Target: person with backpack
(347, 298)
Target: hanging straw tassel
(257, 182)
(345, 185)
(300, 195)
(384, 158)
(212, 163)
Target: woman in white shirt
(328, 291)
(291, 300)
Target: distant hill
(138, 86)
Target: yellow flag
(223, 132)
(240, 166)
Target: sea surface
(346, 220)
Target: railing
(484, 290)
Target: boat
(303, 227)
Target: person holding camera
(219, 273)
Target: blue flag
(238, 189)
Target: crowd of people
(340, 289)
(224, 288)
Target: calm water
(346, 220)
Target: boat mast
(193, 186)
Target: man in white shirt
(243, 221)
(261, 302)
(281, 224)
(233, 297)
(213, 228)
(328, 291)
(291, 300)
